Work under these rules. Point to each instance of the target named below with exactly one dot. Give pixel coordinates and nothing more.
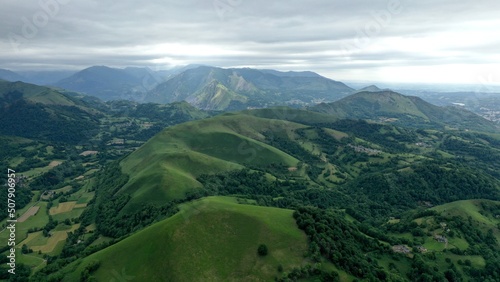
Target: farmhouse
(422, 249)
(440, 238)
(401, 249)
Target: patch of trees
(332, 237)
(90, 268)
(312, 272)
(63, 124)
(54, 178)
(382, 195)
(246, 182)
(474, 149)
(107, 210)
(292, 148)
(481, 243)
(392, 139)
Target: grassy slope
(215, 237)
(470, 208)
(366, 104)
(294, 115)
(176, 156)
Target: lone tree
(262, 250)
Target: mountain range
(232, 89)
(208, 88)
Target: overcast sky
(379, 40)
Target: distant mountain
(42, 113)
(371, 88)
(214, 88)
(10, 75)
(389, 106)
(35, 77)
(291, 73)
(110, 83)
(44, 77)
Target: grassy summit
(212, 239)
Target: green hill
(39, 112)
(213, 239)
(388, 106)
(35, 93)
(167, 165)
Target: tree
(262, 250)
(24, 249)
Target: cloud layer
(389, 40)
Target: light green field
(40, 170)
(32, 260)
(74, 213)
(465, 209)
(49, 245)
(213, 239)
(62, 208)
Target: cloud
(341, 39)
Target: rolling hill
(389, 106)
(167, 166)
(39, 112)
(214, 88)
(213, 239)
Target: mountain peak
(249, 87)
(371, 88)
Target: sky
(438, 41)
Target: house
(440, 238)
(422, 249)
(403, 249)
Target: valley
(374, 186)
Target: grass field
(39, 170)
(48, 244)
(29, 213)
(62, 208)
(213, 239)
(74, 213)
(465, 209)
